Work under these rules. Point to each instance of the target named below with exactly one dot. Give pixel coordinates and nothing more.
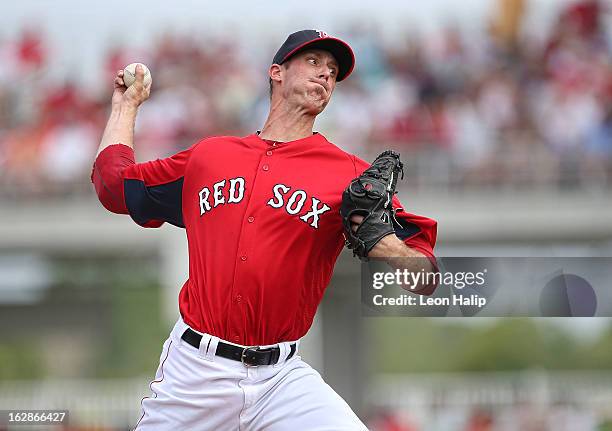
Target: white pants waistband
(209, 343)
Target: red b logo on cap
(322, 33)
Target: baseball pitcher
(266, 216)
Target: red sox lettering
(235, 194)
(296, 202)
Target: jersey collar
(310, 141)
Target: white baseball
(129, 74)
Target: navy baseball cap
(316, 39)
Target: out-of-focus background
(501, 110)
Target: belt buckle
(244, 359)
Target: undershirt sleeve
(150, 192)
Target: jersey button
(243, 258)
(236, 338)
(238, 298)
(268, 153)
(251, 219)
(266, 168)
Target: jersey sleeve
(416, 231)
(151, 192)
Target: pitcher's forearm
(120, 127)
(109, 168)
(400, 256)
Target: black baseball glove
(370, 196)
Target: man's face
(308, 79)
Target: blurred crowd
(524, 417)
(497, 107)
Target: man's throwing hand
(135, 94)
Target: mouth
(324, 85)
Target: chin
(315, 110)
(316, 107)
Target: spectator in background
(599, 150)
(507, 24)
(585, 17)
(480, 420)
(30, 50)
(387, 420)
(66, 149)
(472, 141)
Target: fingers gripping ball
(129, 74)
(370, 196)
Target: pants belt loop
(282, 354)
(179, 328)
(208, 347)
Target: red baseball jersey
(262, 221)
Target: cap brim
(341, 51)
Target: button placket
(259, 190)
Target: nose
(324, 73)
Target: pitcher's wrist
(125, 108)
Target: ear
(275, 72)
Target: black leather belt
(251, 356)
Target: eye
(312, 61)
(333, 72)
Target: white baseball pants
(197, 391)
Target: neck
(286, 123)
